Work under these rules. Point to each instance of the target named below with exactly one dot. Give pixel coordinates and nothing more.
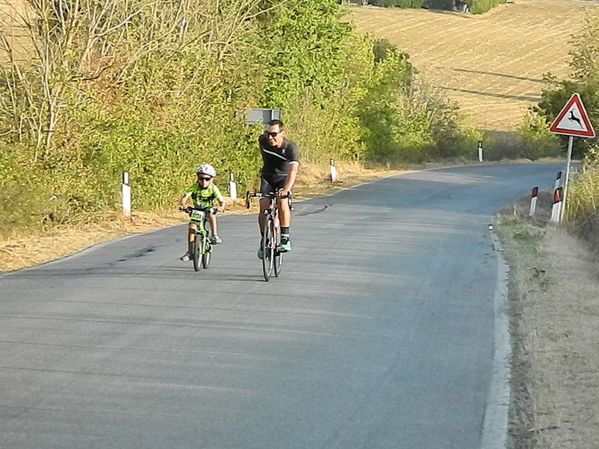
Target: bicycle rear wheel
(207, 252)
(268, 249)
(196, 252)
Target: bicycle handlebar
(188, 210)
(270, 195)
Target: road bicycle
(201, 251)
(272, 258)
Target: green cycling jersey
(204, 197)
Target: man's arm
(293, 168)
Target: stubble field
(492, 64)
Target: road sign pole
(567, 178)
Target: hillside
(12, 27)
(492, 64)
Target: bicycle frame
(272, 258)
(202, 248)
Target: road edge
(495, 422)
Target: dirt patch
(554, 319)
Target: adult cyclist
(280, 159)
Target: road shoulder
(553, 310)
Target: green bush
(583, 194)
(536, 140)
(158, 111)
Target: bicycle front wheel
(206, 253)
(197, 252)
(268, 248)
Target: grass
(554, 324)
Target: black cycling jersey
(275, 160)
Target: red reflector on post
(557, 195)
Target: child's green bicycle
(202, 246)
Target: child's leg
(213, 227)
(191, 236)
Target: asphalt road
(379, 334)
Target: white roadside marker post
(533, 201)
(480, 151)
(558, 180)
(557, 205)
(232, 187)
(126, 194)
(333, 170)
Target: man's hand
(283, 193)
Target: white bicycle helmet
(206, 169)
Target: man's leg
(284, 213)
(285, 216)
(261, 222)
(265, 189)
(261, 216)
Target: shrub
(159, 110)
(582, 204)
(536, 140)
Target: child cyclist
(203, 193)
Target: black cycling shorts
(271, 183)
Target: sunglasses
(201, 178)
(272, 134)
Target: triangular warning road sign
(573, 120)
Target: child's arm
(183, 201)
(220, 198)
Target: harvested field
(12, 28)
(491, 64)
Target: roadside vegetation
(553, 325)
(582, 206)
(156, 88)
(553, 276)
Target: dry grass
(554, 311)
(491, 64)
